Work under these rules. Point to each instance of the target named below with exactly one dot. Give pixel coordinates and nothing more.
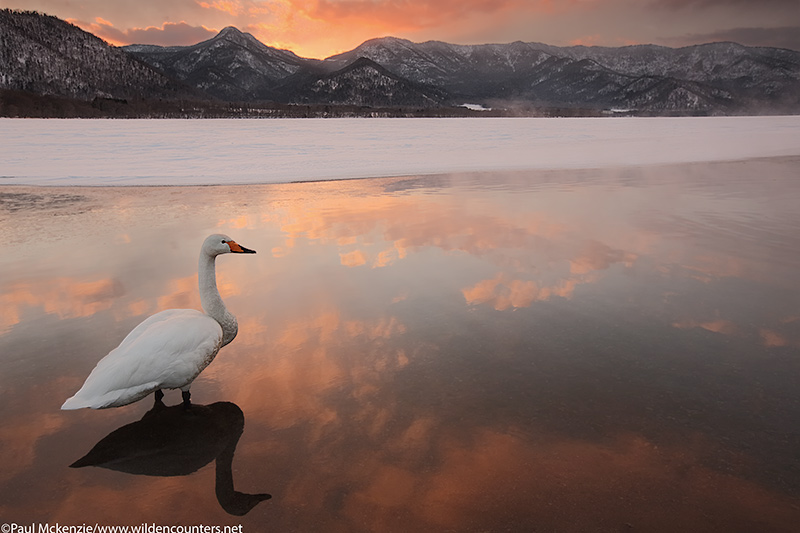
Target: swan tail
(74, 403)
(116, 398)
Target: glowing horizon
(321, 28)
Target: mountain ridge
(522, 70)
(234, 66)
(362, 82)
(45, 55)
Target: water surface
(583, 350)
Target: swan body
(169, 349)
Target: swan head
(218, 244)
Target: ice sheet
(195, 152)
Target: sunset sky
(320, 28)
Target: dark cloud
(169, 34)
(785, 37)
(727, 3)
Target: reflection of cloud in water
(61, 296)
(67, 297)
(778, 334)
(353, 259)
(430, 481)
(371, 460)
(725, 327)
(182, 293)
(304, 360)
(598, 256)
(407, 222)
(19, 437)
(379, 231)
(503, 293)
(574, 484)
(647, 377)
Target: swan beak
(235, 248)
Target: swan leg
(187, 404)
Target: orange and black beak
(235, 248)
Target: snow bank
(194, 152)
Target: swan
(169, 349)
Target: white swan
(169, 349)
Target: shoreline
(784, 159)
(34, 200)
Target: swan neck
(232, 501)
(210, 299)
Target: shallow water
(555, 350)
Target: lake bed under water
(569, 350)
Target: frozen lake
(195, 152)
(565, 350)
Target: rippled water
(566, 350)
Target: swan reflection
(171, 441)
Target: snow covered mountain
(710, 77)
(360, 83)
(235, 66)
(45, 55)
(231, 66)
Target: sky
(321, 28)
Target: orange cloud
(181, 293)
(320, 28)
(503, 293)
(295, 367)
(772, 338)
(19, 436)
(353, 259)
(226, 6)
(599, 256)
(414, 15)
(628, 477)
(240, 222)
(63, 297)
(386, 228)
(67, 297)
(723, 327)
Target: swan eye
(223, 241)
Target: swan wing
(167, 350)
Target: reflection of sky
(551, 349)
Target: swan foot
(187, 404)
(158, 404)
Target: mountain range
(42, 55)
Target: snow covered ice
(202, 152)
